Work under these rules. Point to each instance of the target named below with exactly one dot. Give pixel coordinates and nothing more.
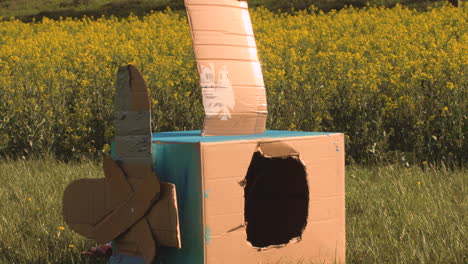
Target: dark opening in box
(276, 200)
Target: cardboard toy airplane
(130, 205)
(250, 196)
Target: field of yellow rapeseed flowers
(394, 80)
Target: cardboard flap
(102, 209)
(85, 202)
(164, 219)
(277, 150)
(160, 223)
(138, 241)
(231, 78)
(130, 211)
(116, 183)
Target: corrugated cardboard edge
(200, 149)
(276, 149)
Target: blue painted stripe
(193, 136)
(207, 235)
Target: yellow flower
(29, 199)
(71, 246)
(68, 66)
(450, 85)
(419, 183)
(106, 147)
(61, 228)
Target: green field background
(393, 80)
(394, 215)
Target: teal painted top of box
(194, 136)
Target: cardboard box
(263, 198)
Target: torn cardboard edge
(276, 149)
(270, 160)
(293, 240)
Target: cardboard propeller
(130, 205)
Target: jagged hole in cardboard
(276, 200)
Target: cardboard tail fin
(231, 78)
(130, 205)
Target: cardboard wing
(130, 205)
(231, 80)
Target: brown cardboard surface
(140, 97)
(87, 201)
(133, 148)
(231, 79)
(225, 166)
(79, 207)
(138, 241)
(276, 150)
(102, 209)
(132, 117)
(123, 217)
(161, 224)
(115, 207)
(163, 217)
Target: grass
(406, 215)
(28, 9)
(395, 214)
(30, 212)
